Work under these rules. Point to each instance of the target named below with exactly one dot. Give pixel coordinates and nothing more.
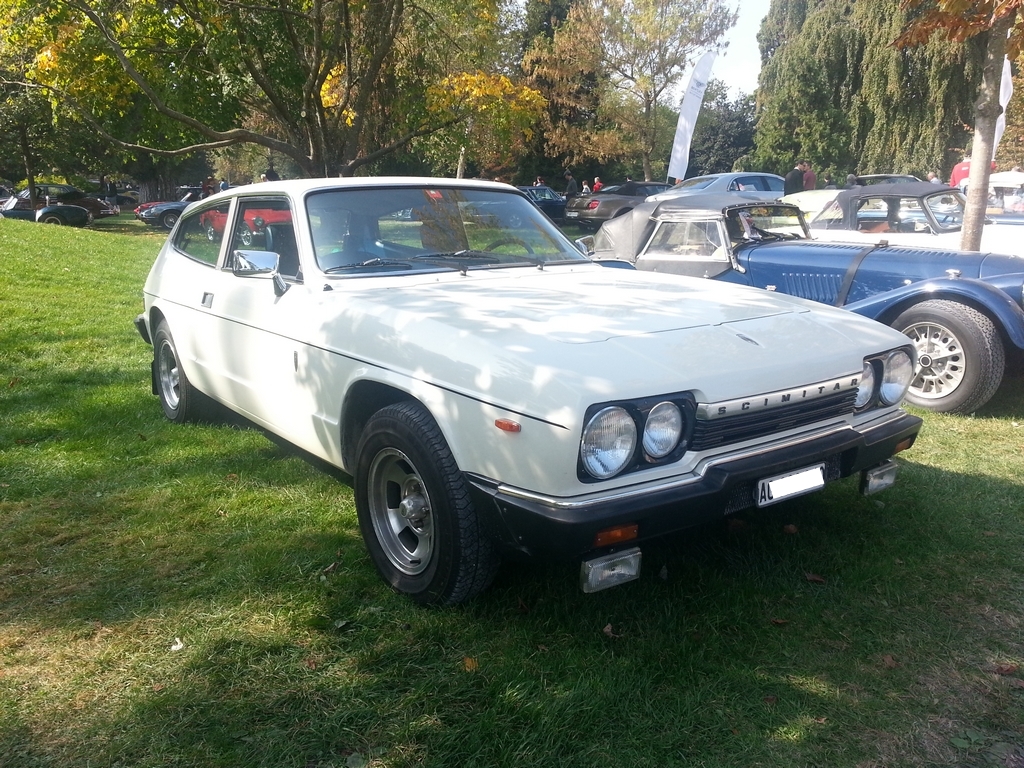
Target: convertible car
(916, 213)
(493, 392)
(963, 311)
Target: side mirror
(586, 245)
(259, 264)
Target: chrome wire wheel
(168, 376)
(400, 511)
(940, 360)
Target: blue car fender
(993, 301)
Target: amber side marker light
(904, 444)
(507, 425)
(615, 535)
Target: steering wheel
(509, 240)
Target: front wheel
(420, 527)
(960, 357)
(51, 219)
(169, 219)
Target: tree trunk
(987, 111)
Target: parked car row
(56, 204)
(963, 311)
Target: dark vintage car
(183, 195)
(549, 201)
(64, 194)
(593, 210)
(63, 215)
(164, 215)
(964, 311)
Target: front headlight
(866, 390)
(609, 441)
(663, 430)
(897, 373)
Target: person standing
(810, 177)
(598, 183)
(584, 188)
(572, 189)
(795, 179)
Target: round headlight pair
(610, 438)
(897, 373)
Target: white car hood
(539, 340)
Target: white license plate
(772, 490)
(572, 214)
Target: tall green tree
(834, 89)
(330, 84)
(724, 133)
(614, 64)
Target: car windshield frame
(764, 222)
(362, 231)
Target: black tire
(180, 400)
(169, 219)
(420, 527)
(961, 359)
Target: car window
(697, 182)
(646, 190)
(830, 217)
(266, 224)
(360, 231)
(198, 236)
(948, 210)
(775, 184)
(747, 183)
(687, 241)
(761, 222)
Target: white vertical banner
(688, 112)
(1005, 92)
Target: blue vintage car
(63, 215)
(964, 311)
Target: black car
(549, 201)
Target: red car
(255, 221)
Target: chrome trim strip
(624, 494)
(778, 398)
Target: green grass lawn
(200, 596)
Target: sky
(741, 63)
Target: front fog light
(896, 377)
(609, 441)
(610, 570)
(866, 390)
(878, 478)
(663, 429)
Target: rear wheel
(960, 357)
(169, 219)
(420, 527)
(51, 219)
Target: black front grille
(746, 426)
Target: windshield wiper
(376, 261)
(463, 255)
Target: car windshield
(420, 228)
(765, 222)
(543, 193)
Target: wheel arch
(995, 304)
(363, 399)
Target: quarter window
(198, 237)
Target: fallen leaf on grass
(663, 573)
(821, 720)
(332, 567)
(142, 437)
(177, 645)
(157, 687)
(790, 529)
(780, 622)
(1006, 669)
(232, 478)
(608, 631)
(770, 700)
(542, 648)
(310, 663)
(814, 578)
(989, 533)
(470, 664)
(890, 662)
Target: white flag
(1005, 92)
(688, 115)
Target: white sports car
(495, 393)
